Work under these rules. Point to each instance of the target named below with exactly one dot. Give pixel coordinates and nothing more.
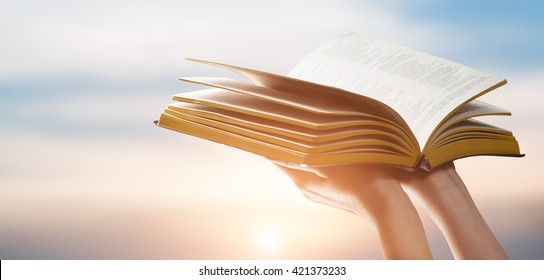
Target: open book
(353, 100)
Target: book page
(474, 108)
(422, 88)
(305, 95)
(304, 102)
(246, 104)
(370, 128)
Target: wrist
(383, 201)
(438, 182)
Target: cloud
(114, 39)
(82, 170)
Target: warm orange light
(268, 239)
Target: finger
(325, 200)
(306, 181)
(303, 179)
(301, 167)
(360, 172)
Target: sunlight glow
(268, 239)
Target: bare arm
(372, 193)
(450, 205)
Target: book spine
(423, 163)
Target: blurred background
(84, 174)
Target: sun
(268, 239)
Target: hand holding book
(371, 192)
(375, 193)
(451, 206)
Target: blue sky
(508, 32)
(505, 34)
(81, 82)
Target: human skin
(452, 208)
(371, 193)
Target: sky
(84, 174)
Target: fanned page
(472, 109)
(307, 96)
(422, 88)
(250, 116)
(469, 138)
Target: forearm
(397, 222)
(448, 201)
(372, 193)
